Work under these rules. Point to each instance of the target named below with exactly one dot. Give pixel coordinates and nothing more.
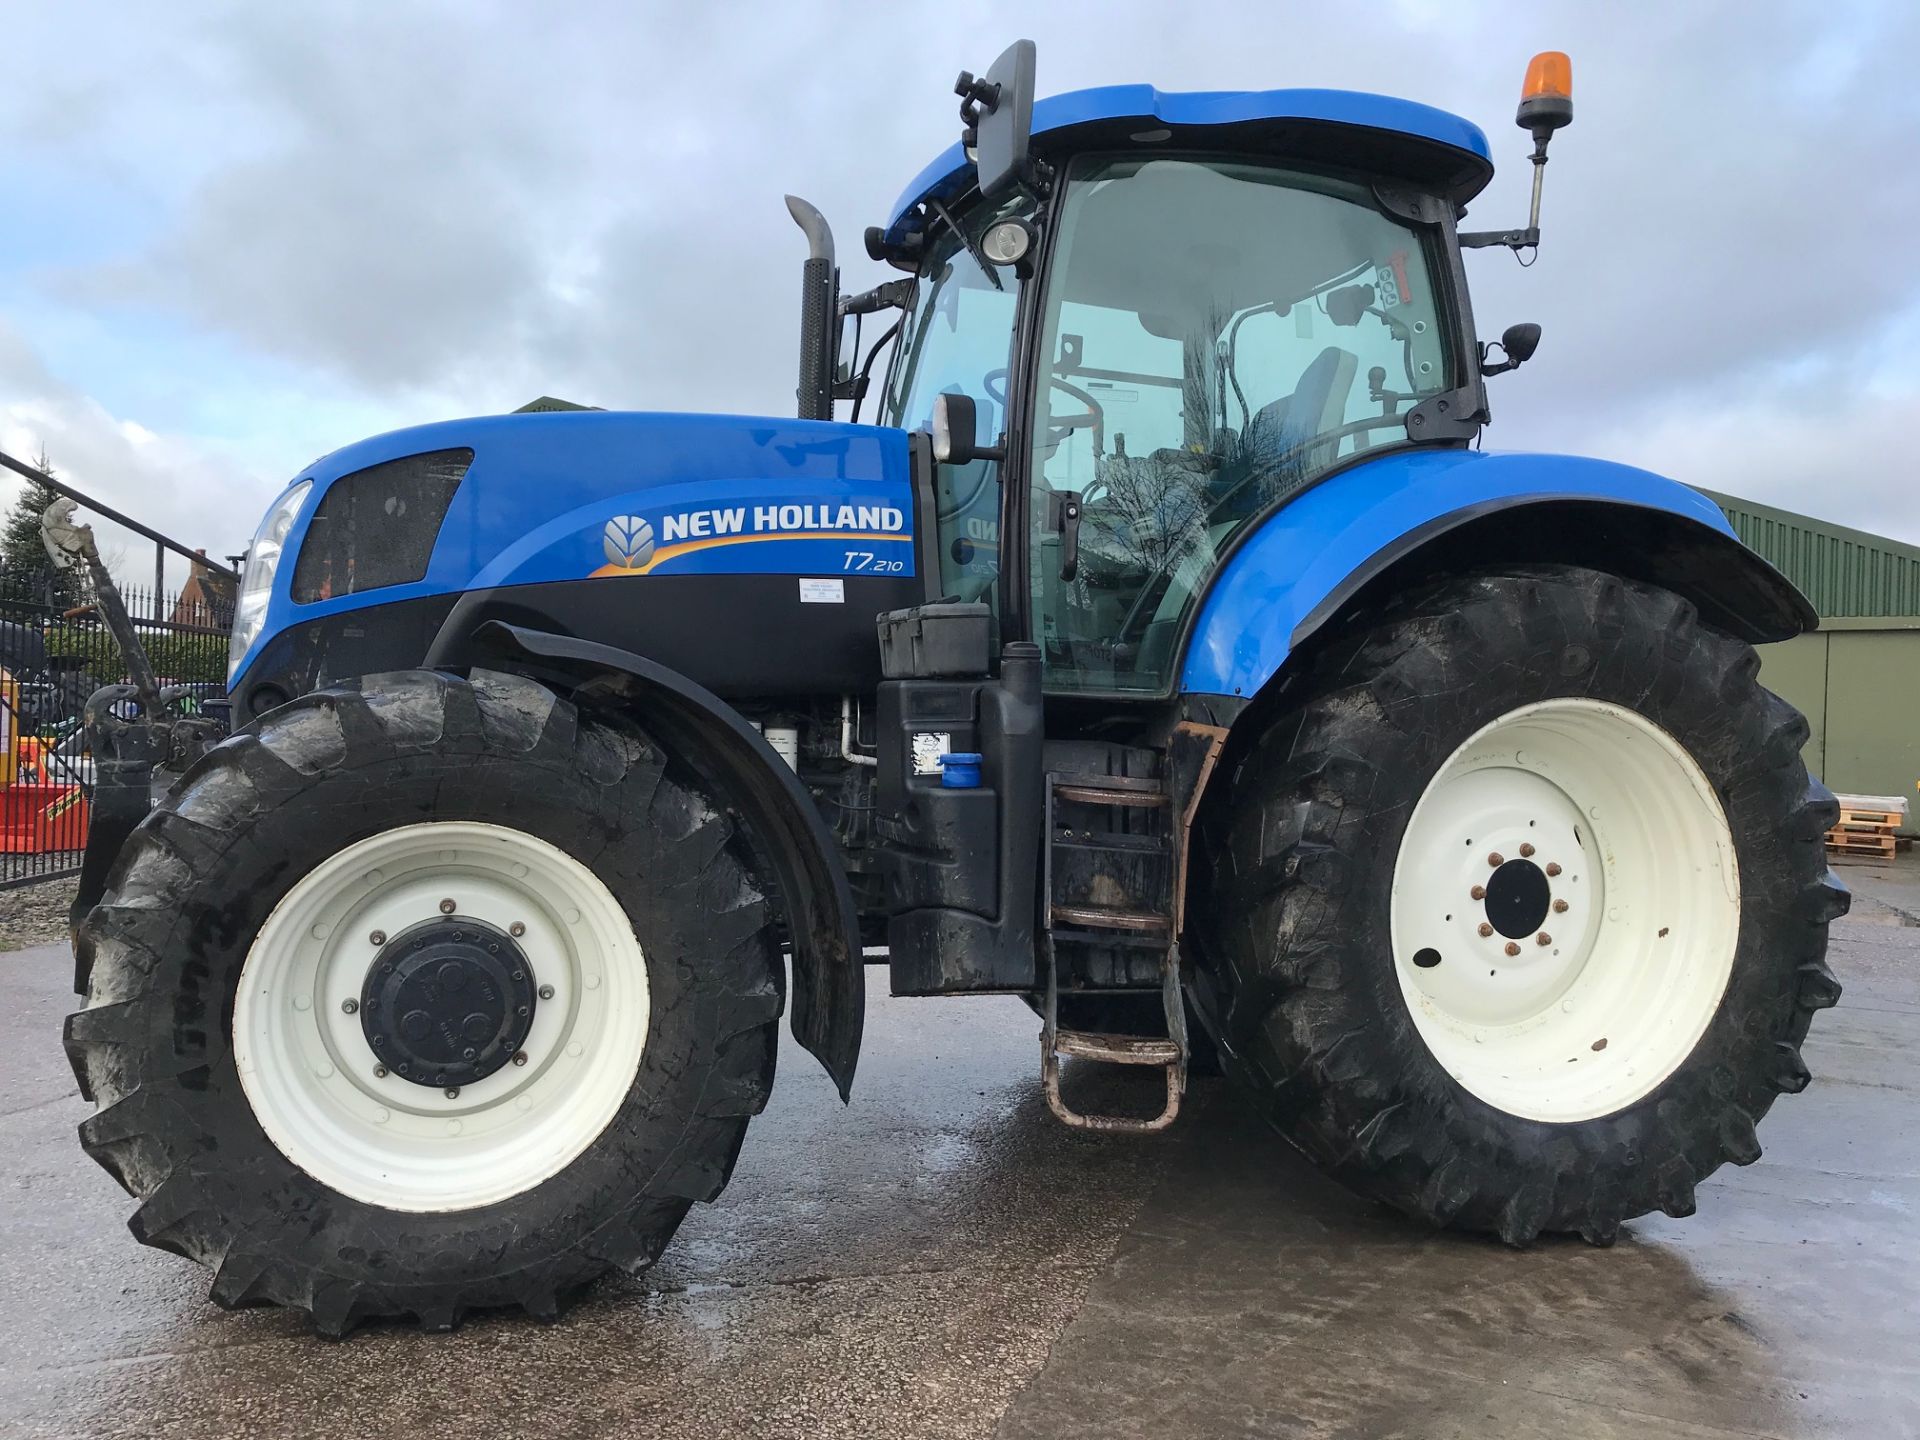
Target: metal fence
(55, 652)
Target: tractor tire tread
(136, 1054)
(1281, 863)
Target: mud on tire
(154, 1045)
(1294, 971)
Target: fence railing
(55, 652)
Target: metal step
(1110, 790)
(1109, 917)
(1116, 1049)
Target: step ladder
(1143, 921)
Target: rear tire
(477, 1186)
(1348, 956)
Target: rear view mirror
(846, 352)
(999, 111)
(956, 434)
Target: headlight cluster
(256, 581)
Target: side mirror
(846, 356)
(956, 432)
(1518, 342)
(999, 111)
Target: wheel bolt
(1543, 938)
(378, 937)
(1512, 949)
(519, 1057)
(350, 1005)
(468, 1053)
(452, 1092)
(1526, 849)
(1485, 929)
(1496, 859)
(1552, 868)
(447, 907)
(1478, 892)
(521, 1011)
(546, 992)
(517, 929)
(1559, 907)
(379, 1072)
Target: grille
(377, 526)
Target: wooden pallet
(1857, 819)
(1861, 842)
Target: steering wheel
(994, 382)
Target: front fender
(829, 983)
(1420, 512)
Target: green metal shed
(1857, 678)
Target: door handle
(1066, 520)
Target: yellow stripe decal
(674, 552)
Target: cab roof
(1397, 139)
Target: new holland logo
(628, 541)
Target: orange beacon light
(1546, 99)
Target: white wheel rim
(309, 1071)
(1641, 919)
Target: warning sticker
(928, 747)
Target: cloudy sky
(237, 236)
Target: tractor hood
(537, 498)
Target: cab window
(957, 341)
(1217, 334)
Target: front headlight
(256, 581)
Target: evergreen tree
(25, 571)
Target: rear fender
(829, 994)
(1383, 525)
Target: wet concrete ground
(941, 1259)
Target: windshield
(1218, 333)
(957, 341)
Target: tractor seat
(1318, 403)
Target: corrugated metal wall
(1857, 679)
(1843, 572)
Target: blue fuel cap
(960, 770)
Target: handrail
(41, 477)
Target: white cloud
(169, 482)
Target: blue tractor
(1165, 651)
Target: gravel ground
(35, 914)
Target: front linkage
(134, 728)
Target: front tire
(1515, 920)
(423, 997)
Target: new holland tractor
(1164, 650)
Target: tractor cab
(1166, 316)
(1211, 333)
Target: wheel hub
(1518, 898)
(448, 1002)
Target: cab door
(1216, 334)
